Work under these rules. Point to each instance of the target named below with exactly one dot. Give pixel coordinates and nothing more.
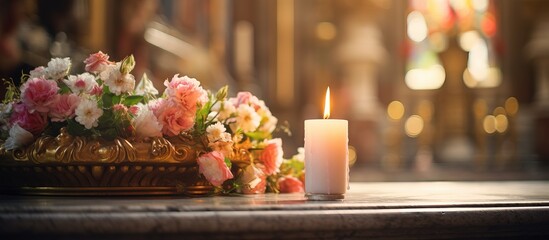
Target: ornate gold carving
(71, 165)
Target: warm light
(511, 106)
(326, 31)
(480, 5)
(395, 110)
(425, 78)
(468, 39)
(413, 126)
(499, 110)
(493, 79)
(417, 27)
(489, 124)
(477, 62)
(327, 104)
(501, 123)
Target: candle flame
(327, 104)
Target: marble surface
(370, 210)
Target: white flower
(38, 72)
(145, 86)
(87, 113)
(300, 156)
(215, 132)
(269, 123)
(247, 119)
(146, 124)
(19, 137)
(118, 83)
(224, 109)
(82, 83)
(58, 68)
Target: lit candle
(326, 156)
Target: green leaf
(64, 88)
(258, 135)
(54, 128)
(132, 100)
(76, 129)
(116, 99)
(107, 100)
(228, 162)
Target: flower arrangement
(106, 103)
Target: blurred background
(432, 89)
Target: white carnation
(19, 137)
(82, 83)
(87, 113)
(146, 124)
(58, 68)
(118, 83)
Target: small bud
(222, 93)
(127, 64)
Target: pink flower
(120, 107)
(253, 179)
(212, 166)
(155, 105)
(246, 98)
(174, 119)
(64, 107)
(97, 90)
(38, 94)
(134, 109)
(97, 62)
(271, 156)
(187, 92)
(34, 122)
(290, 184)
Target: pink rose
(34, 122)
(134, 109)
(271, 156)
(187, 92)
(38, 94)
(253, 179)
(64, 107)
(212, 166)
(174, 119)
(97, 62)
(290, 184)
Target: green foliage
(258, 135)
(76, 129)
(64, 88)
(12, 92)
(132, 100)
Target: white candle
(326, 157)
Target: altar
(398, 210)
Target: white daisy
(87, 113)
(215, 132)
(247, 119)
